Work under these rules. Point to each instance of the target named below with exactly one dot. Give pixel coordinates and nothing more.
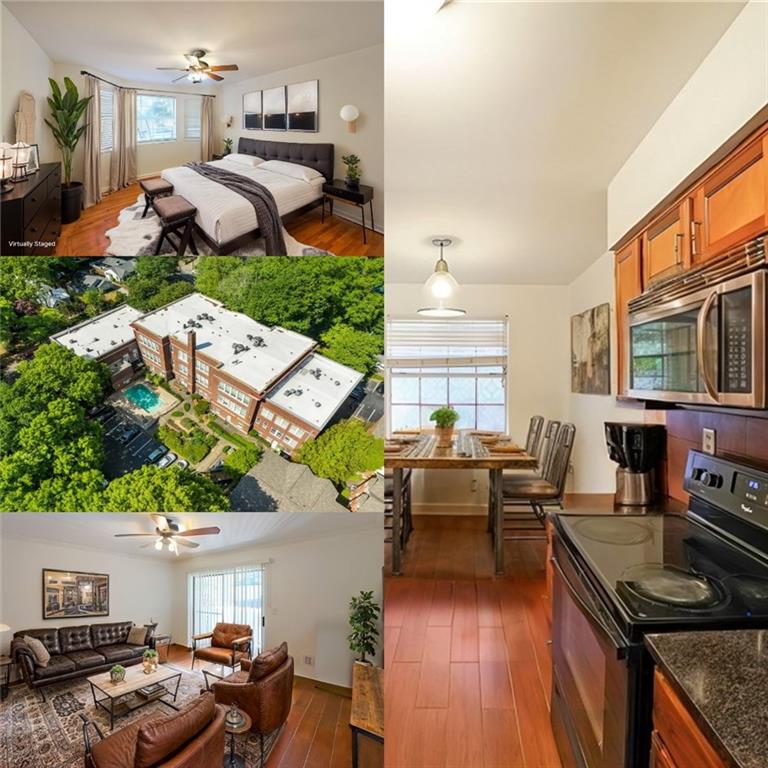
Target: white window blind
(106, 113)
(460, 363)
(234, 596)
(192, 109)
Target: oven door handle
(701, 338)
(618, 642)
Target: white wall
(26, 67)
(309, 586)
(352, 78)
(537, 380)
(728, 88)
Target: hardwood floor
(467, 659)
(86, 236)
(317, 732)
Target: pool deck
(143, 418)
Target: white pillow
(301, 172)
(250, 160)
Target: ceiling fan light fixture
(159, 544)
(195, 77)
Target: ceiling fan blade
(125, 535)
(161, 521)
(224, 68)
(213, 76)
(185, 543)
(176, 80)
(212, 530)
(174, 69)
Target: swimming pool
(143, 397)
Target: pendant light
(441, 285)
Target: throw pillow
(42, 657)
(137, 636)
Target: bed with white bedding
(293, 173)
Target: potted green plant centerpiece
(227, 146)
(353, 170)
(150, 661)
(444, 419)
(66, 111)
(117, 674)
(364, 621)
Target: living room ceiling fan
(169, 534)
(197, 68)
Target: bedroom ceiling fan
(169, 534)
(197, 68)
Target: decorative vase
(117, 675)
(353, 183)
(150, 666)
(444, 437)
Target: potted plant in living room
(364, 621)
(353, 170)
(444, 419)
(66, 111)
(150, 661)
(117, 674)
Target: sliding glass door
(233, 595)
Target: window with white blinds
(460, 363)
(234, 596)
(106, 114)
(192, 109)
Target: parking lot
(119, 457)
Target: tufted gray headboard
(317, 156)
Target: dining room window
(460, 363)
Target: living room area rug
(137, 236)
(50, 734)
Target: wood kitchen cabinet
(666, 243)
(629, 284)
(677, 741)
(730, 206)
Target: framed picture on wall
(252, 113)
(74, 595)
(274, 109)
(591, 351)
(303, 106)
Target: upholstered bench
(153, 188)
(177, 216)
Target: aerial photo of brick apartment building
(255, 377)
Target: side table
(233, 760)
(358, 196)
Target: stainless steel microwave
(707, 346)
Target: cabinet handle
(678, 237)
(694, 238)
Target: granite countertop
(724, 677)
(664, 506)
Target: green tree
(150, 489)
(36, 328)
(342, 451)
(94, 302)
(242, 459)
(147, 294)
(22, 278)
(156, 268)
(357, 349)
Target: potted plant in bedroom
(66, 111)
(353, 170)
(444, 419)
(364, 621)
(227, 146)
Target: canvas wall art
(591, 351)
(72, 594)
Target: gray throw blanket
(259, 196)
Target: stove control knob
(710, 479)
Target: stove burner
(612, 530)
(671, 586)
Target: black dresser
(31, 214)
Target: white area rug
(134, 236)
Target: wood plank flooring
(317, 733)
(467, 658)
(86, 236)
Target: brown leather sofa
(230, 643)
(76, 651)
(190, 738)
(263, 688)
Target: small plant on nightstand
(363, 619)
(227, 146)
(353, 170)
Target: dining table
(467, 450)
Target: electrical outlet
(309, 661)
(473, 485)
(708, 441)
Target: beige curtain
(92, 141)
(206, 129)
(122, 168)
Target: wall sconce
(20, 156)
(228, 121)
(441, 285)
(349, 113)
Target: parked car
(166, 460)
(96, 410)
(157, 453)
(218, 465)
(182, 463)
(106, 414)
(128, 434)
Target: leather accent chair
(230, 643)
(263, 688)
(191, 738)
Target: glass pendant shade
(441, 311)
(441, 285)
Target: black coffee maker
(637, 449)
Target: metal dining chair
(533, 440)
(407, 522)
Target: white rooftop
(315, 390)
(101, 334)
(247, 350)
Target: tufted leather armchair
(229, 644)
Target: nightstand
(338, 190)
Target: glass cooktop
(669, 569)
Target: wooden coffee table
(123, 698)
